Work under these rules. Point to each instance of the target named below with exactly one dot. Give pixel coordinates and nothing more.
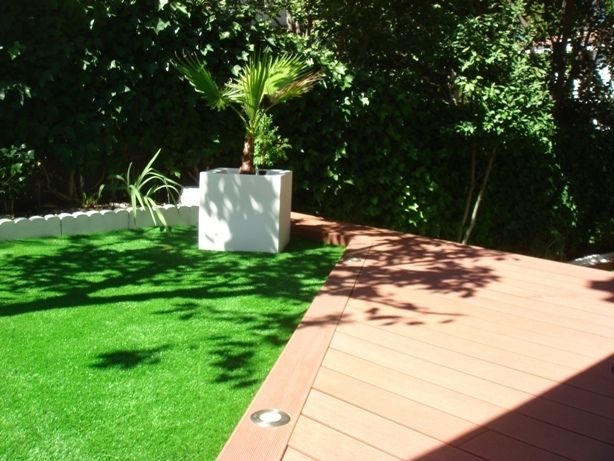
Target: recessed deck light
(270, 418)
(353, 259)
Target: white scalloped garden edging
(93, 222)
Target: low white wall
(93, 222)
(190, 196)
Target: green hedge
(89, 86)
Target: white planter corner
(239, 212)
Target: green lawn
(135, 345)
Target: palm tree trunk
(247, 159)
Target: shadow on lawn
(77, 274)
(235, 356)
(169, 271)
(127, 359)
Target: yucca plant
(145, 186)
(261, 84)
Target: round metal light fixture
(353, 259)
(270, 417)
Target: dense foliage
(424, 109)
(16, 163)
(89, 87)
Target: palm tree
(262, 83)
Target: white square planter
(241, 212)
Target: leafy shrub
(16, 165)
(270, 148)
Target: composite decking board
(436, 251)
(553, 280)
(545, 270)
(548, 323)
(441, 398)
(293, 455)
(326, 444)
(557, 315)
(539, 432)
(422, 418)
(503, 308)
(534, 371)
(545, 436)
(440, 424)
(577, 312)
(467, 311)
(505, 315)
(463, 336)
(552, 438)
(484, 320)
(485, 323)
(498, 447)
(499, 272)
(385, 435)
(379, 432)
(484, 386)
(318, 226)
(584, 364)
(460, 282)
(573, 296)
(563, 297)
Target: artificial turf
(135, 345)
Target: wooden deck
(418, 349)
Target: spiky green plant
(145, 187)
(261, 84)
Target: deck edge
(289, 382)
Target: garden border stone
(93, 222)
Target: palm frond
(275, 80)
(201, 79)
(295, 88)
(290, 77)
(248, 89)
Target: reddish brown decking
(418, 349)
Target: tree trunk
(478, 200)
(247, 159)
(560, 80)
(72, 186)
(469, 194)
